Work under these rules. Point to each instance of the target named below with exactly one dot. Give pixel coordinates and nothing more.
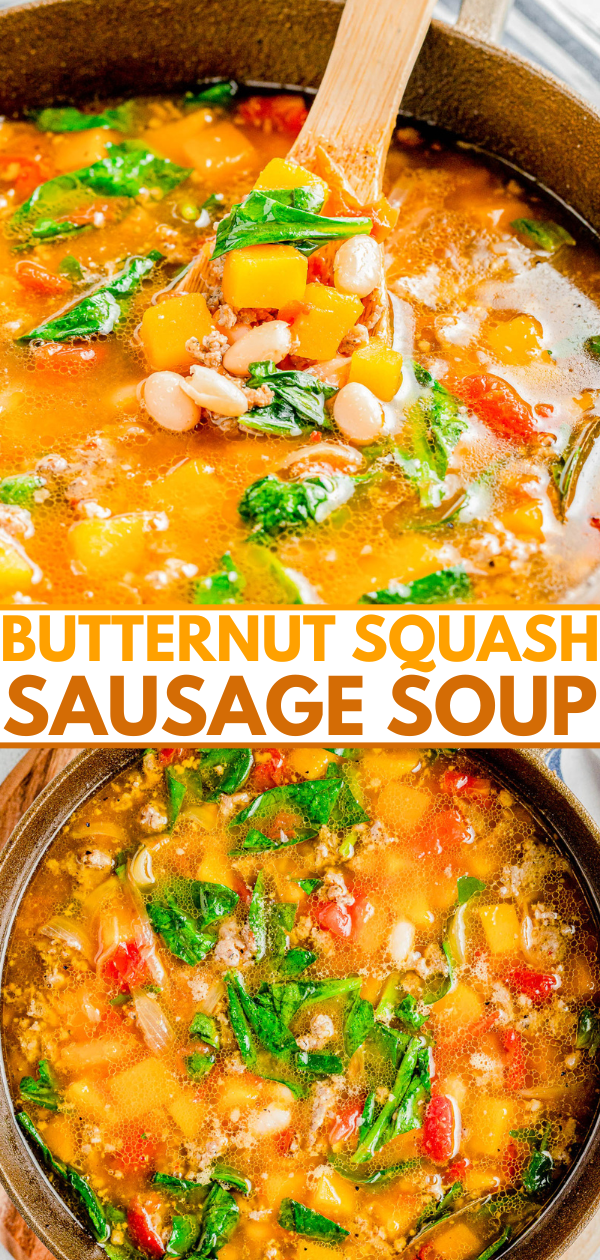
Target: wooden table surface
(17, 792)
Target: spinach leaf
(220, 93)
(444, 424)
(280, 921)
(240, 1025)
(258, 916)
(359, 1022)
(176, 790)
(296, 961)
(213, 901)
(223, 770)
(185, 1232)
(496, 1246)
(439, 1209)
(224, 587)
(319, 802)
(588, 1031)
(289, 997)
(263, 1020)
(538, 1175)
(70, 267)
(303, 1220)
(368, 1113)
(264, 218)
(176, 1185)
(256, 842)
(409, 1115)
(199, 1065)
(219, 1219)
(20, 488)
(180, 932)
(126, 171)
(227, 1176)
(436, 588)
(272, 506)
(440, 985)
(378, 1177)
(299, 401)
(390, 1042)
(375, 1136)
(408, 1013)
(68, 118)
(538, 235)
(91, 1203)
(386, 1006)
(468, 886)
(205, 1027)
(103, 310)
(592, 345)
(44, 1092)
(318, 1064)
(57, 1165)
(309, 885)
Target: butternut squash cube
(170, 140)
(379, 368)
(527, 520)
(459, 1008)
(489, 1125)
(331, 315)
(83, 148)
(146, 1084)
(220, 152)
(401, 807)
(501, 927)
(188, 1114)
(281, 173)
(16, 573)
(310, 763)
(111, 547)
(60, 1137)
(166, 328)
(333, 1196)
(264, 275)
(517, 341)
(457, 1243)
(389, 766)
(189, 491)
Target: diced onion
(152, 1021)
(141, 868)
(69, 933)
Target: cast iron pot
(555, 807)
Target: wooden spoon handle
(376, 47)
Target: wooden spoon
(353, 115)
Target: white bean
(324, 456)
(402, 939)
(272, 340)
(357, 266)
(358, 413)
(211, 390)
(167, 403)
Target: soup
(286, 1004)
(428, 457)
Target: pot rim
(25, 1180)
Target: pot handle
(483, 19)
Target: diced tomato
(441, 1129)
(498, 405)
(67, 358)
(514, 1067)
(319, 268)
(143, 1226)
(22, 173)
(273, 113)
(241, 888)
(345, 921)
(167, 755)
(427, 1252)
(513, 1162)
(269, 770)
(345, 1124)
(459, 783)
(595, 522)
(446, 830)
(33, 276)
(536, 985)
(125, 967)
(457, 1170)
(283, 1141)
(137, 1150)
